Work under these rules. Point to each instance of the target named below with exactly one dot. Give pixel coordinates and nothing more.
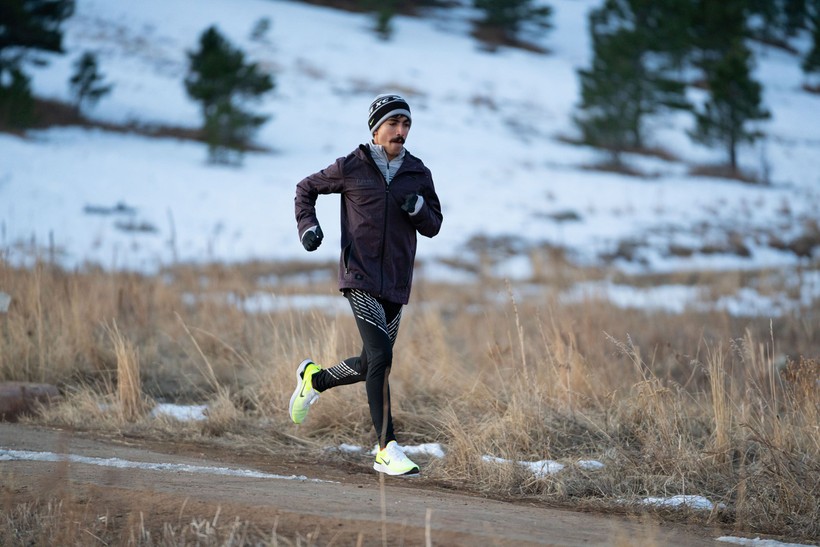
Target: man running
(387, 197)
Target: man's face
(392, 134)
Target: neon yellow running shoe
(393, 461)
(304, 395)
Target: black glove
(312, 239)
(409, 204)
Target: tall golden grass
(71, 520)
(692, 403)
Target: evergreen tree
(734, 101)
(383, 12)
(811, 62)
(611, 92)
(384, 21)
(33, 24)
(26, 25)
(16, 102)
(220, 79)
(507, 16)
(776, 21)
(665, 25)
(715, 29)
(631, 73)
(260, 30)
(86, 82)
(796, 12)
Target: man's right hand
(312, 238)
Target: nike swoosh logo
(386, 461)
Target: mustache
(399, 139)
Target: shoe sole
(299, 370)
(383, 469)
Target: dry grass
(130, 404)
(692, 403)
(56, 520)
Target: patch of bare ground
(724, 171)
(492, 37)
(812, 88)
(404, 7)
(616, 163)
(51, 113)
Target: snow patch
(758, 542)
(28, 455)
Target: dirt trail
(342, 507)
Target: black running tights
(378, 323)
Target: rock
(17, 398)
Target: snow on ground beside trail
(758, 542)
(182, 413)
(689, 501)
(29, 455)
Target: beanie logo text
(385, 106)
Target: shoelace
(394, 452)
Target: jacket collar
(378, 153)
(410, 162)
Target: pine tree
(33, 24)
(260, 30)
(795, 12)
(383, 12)
(734, 101)
(665, 26)
(715, 28)
(86, 82)
(220, 79)
(384, 20)
(26, 25)
(16, 102)
(611, 92)
(507, 16)
(777, 20)
(631, 74)
(811, 62)
(734, 97)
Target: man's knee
(378, 359)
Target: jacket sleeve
(429, 218)
(327, 181)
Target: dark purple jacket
(378, 236)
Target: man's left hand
(412, 203)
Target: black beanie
(386, 106)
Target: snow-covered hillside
(487, 124)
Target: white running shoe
(393, 461)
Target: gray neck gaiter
(388, 168)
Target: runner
(387, 196)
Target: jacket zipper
(384, 228)
(386, 208)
